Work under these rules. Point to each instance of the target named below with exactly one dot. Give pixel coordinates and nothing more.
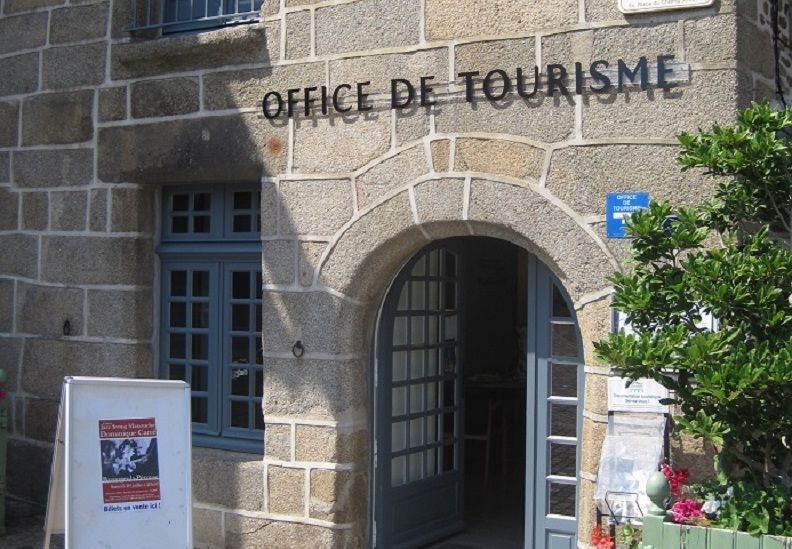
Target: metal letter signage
(643, 6)
(498, 84)
(618, 207)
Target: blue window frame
(210, 329)
(191, 15)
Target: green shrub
(733, 386)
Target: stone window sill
(190, 51)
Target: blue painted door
(554, 411)
(418, 452)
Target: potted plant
(730, 259)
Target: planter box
(658, 534)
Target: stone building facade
(98, 123)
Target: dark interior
(494, 316)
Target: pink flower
(686, 509)
(2, 395)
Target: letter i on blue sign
(619, 207)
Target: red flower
(676, 478)
(600, 539)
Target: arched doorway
(478, 389)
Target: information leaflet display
(121, 472)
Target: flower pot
(658, 534)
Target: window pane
(177, 346)
(181, 202)
(420, 267)
(201, 224)
(259, 351)
(399, 471)
(239, 382)
(562, 499)
(258, 417)
(240, 318)
(202, 201)
(399, 366)
(563, 380)
(200, 410)
(200, 284)
(240, 287)
(563, 420)
(239, 350)
(200, 346)
(242, 224)
(431, 362)
(243, 200)
(400, 330)
(416, 398)
(560, 308)
(434, 296)
(434, 259)
(563, 460)
(563, 340)
(416, 432)
(416, 364)
(239, 414)
(417, 336)
(200, 378)
(179, 224)
(178, 283)
(450, 264)
(258, 285)
(418, 295)
(403, 298)
(431, 462)
(398, 436)
(200, 315)
(398, 401)
(431, 429)
(431, 395)
(416, 466)
(178, 315)
(259, 388)
(177, 372)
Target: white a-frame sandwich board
(121, 475)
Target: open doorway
(494, 383)
(478, 391)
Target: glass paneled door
(554, 413)
(419, 477)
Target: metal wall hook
(298, 350)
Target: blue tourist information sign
(618, 207)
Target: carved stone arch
(369, 249)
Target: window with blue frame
(210, 326)
(190, 15)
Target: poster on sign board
(121, 475)
(130, 466)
